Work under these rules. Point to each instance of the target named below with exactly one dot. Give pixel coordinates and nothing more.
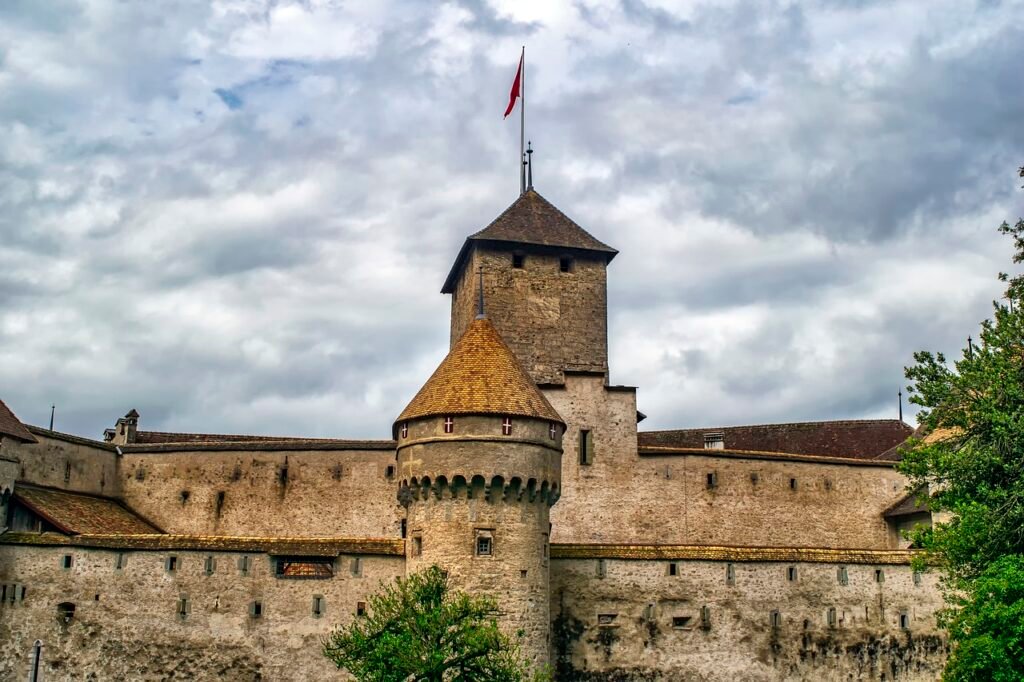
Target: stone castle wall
(308, 493)
(552, 320)
(632, 620)
(67, 462)
(126, 626)
(626, 497)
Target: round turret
(479, 455)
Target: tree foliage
(420, 629)
(970, 462)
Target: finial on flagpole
(529, 165)
(480, 302)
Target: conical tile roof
(480, 375)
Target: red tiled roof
(908, 505)
(480, 375)
(149, 437)
(11, 426)
(852, 439)
(531, 219)
(77, 513)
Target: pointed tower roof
(12, 427)
(531, 219)
(480, 375)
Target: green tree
(420, 629)
(971, 465)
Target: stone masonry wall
(69, 463)
(627, 498)
(553, 320)
(330, 493)
(646, 635)
(126, 627)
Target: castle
(770, 552)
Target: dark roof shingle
(531, 219)
(77, 513)
(852, 439)
(12, 426)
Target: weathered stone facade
(519, 469)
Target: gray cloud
(237, 217)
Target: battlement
(477, 487)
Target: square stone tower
(545, 286)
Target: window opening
(730, 574)
(552, 431)
(417, 545)
(714, 441)
(791, 574)
(606, 619)
(565, 264)
(304, 567)
(449, 425)
(119, 561)
(65, 612)
(904, 620)
(484, 543)
(602, 568)
(705, 617)
(210, 565)
(171, 564)
(357, 566)
(389, 472)
(832, 617)
(318, 605)
(843, 576)
(681, 622)
(183, 606)
(879, 575)
(506, 426)
(67, 561)
(360, 608)
(244, 564)
(256, 609)
(712, 480)
(776, 619)
(673, 568)
(586, 447)
(792, 484)
(518, 260)
(405, 429)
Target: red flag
(514, 94)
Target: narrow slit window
(791, 574)
(405, 429)
(832, 617)
(792, 484)
(775, 619)
(210, 565)
(673, 569)
(730, 574)
(119, 561)
(552, 431)
(171, 564)
(357, 566)
(184, 608)
(705, 617)
(586, 447)
(506, 426)
(449, 425)
(879, 575)
(602, 568)
(244, 564)
(67, 562)
(843, 575)
(711, 480)
(904, 620)
(318, 605)
(256, 609)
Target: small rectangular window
(417, 545)
(586, 447)
(673, 568)
(791, 574)
(714, 441)
(681, 622)
(389, 472)
(775, 619)
(171, 564)
(184, 607)
(831, 618)
(256, 609)
(705, 617)
(244, 564)
(843, 575)
(904, 620)
(792, 484)
(357, 566)
(210, 565)
(506, 426)
(879, 575)
(120, 561)
(606, 619)
(484, 544)
(360, 608)
(518, 260)
(565, 264)
(711, 480)
(449, 425)
(318, 605)
(66, 561)
(730, 574)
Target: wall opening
(586, 447)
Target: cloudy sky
(237, 215)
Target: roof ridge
(13, 427)
(767, 424)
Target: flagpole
(522, 123)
